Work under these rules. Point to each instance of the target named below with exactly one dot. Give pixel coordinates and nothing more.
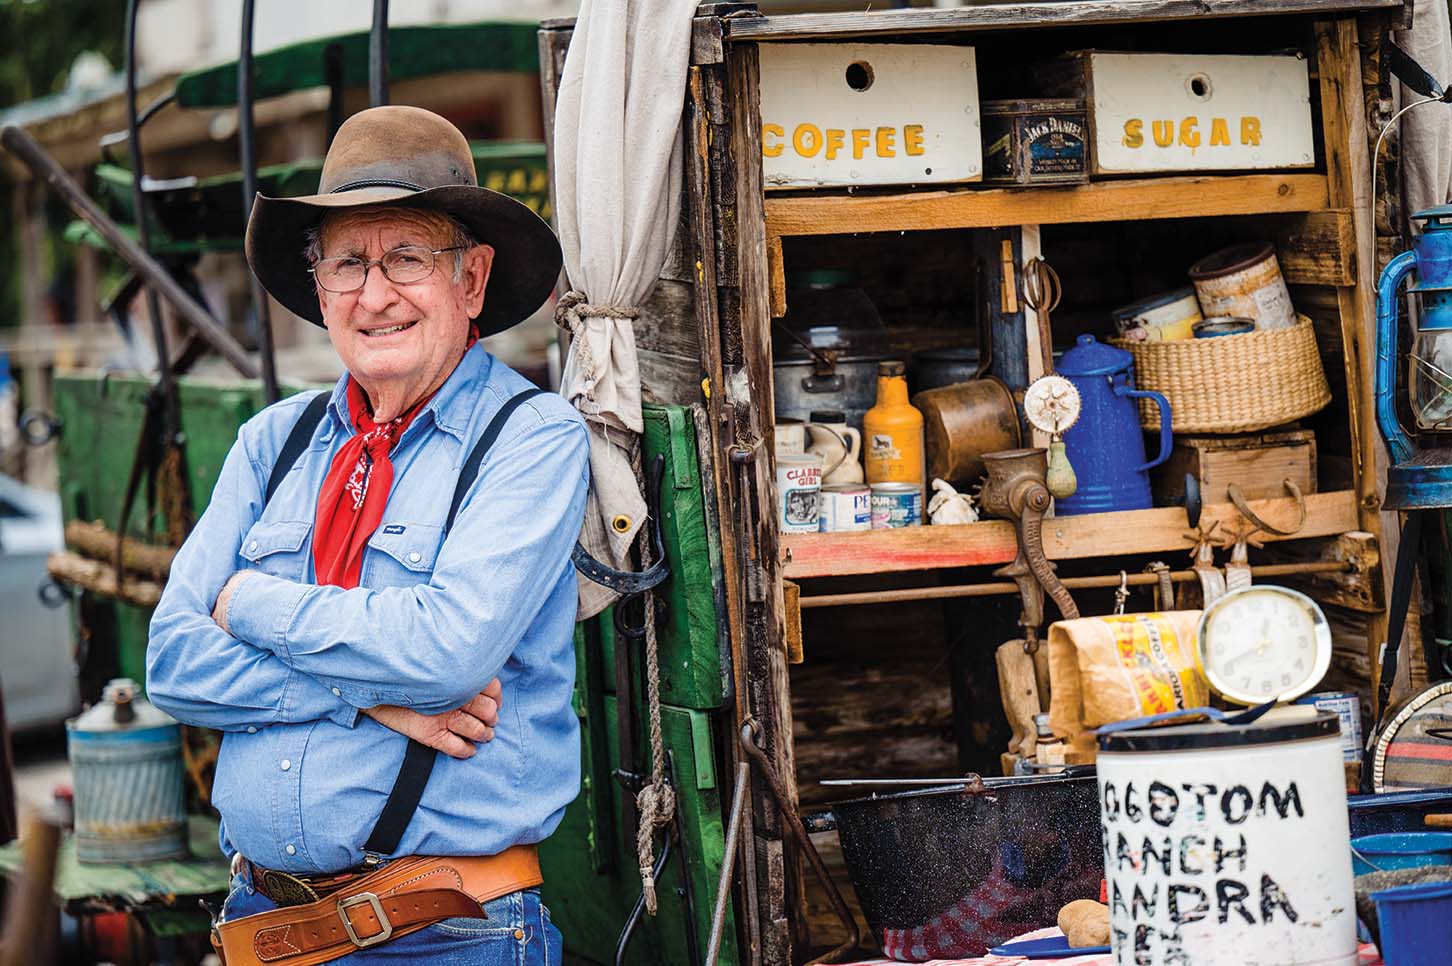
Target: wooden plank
(1348, 162)
(1133, 200)
(1318, 248)
(991, 542)
(1010, 16)
(776, 276)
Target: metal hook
(1121, 594)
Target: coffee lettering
(834, 142)
(1236, 804)
(861, 137)
(807, 140)
(1230, 894)
(1164, 803)
(885, 148)
(912, 139)
(772, 150)
(1180, 913)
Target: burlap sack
(1106, 669)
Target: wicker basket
(1232, 383)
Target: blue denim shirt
(303, 775)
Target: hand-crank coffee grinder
(1420, 477)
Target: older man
(371, 560)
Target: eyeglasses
(402, 266)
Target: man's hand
(452, 732)
(219, 609)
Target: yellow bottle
(893, 431)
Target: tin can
(1244, 281)
(896, 505)
(1213, 328)
(1166, 317)
(1035, 141)
(798, 492)
(1346, 706)
(846, 506)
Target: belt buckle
(365, 898)
(287, 890)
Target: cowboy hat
(406, 157)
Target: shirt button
(337, 693)
(286, 764)
(252, 547)
(292, 850)
(415, 557)
(252, 729)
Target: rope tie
(656, 802)
(571, 311)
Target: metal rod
(993, 588)
(728, 862)
(247, 142)
(166, 382)
(378, 56)
(333, 70)
(45, 169)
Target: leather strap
(402, 897)
(296, 442)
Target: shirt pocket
(401, 554)
(276, 547)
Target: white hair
(460, 237)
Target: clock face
(1051, 404)
(1264, 643)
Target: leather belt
(402, 897)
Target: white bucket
(1228, 845)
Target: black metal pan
(948, 871)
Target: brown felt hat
(407, 157)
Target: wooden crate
(1259, 462)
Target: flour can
(1228, 844)
(846, 506)
(1167, 317)
(896, 505)
(126, 757)
(1244, 281)
(798, 492)
(1346, 705)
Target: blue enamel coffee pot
(1105, 445)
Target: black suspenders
(418, 759)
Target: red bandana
(355, 491)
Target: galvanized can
(1166, 317)
(896, 505)
(846, 506)
(799, 491)
(1222, 325)
(1346, 706)
(126, 756)
(1244, 281)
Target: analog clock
(1264, 643)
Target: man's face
(401, 339)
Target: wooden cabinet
(705, 339)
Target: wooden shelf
(1139, 199)
(1065, 538)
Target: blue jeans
(517, 932)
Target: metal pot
(948, 872)
(846, 383)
